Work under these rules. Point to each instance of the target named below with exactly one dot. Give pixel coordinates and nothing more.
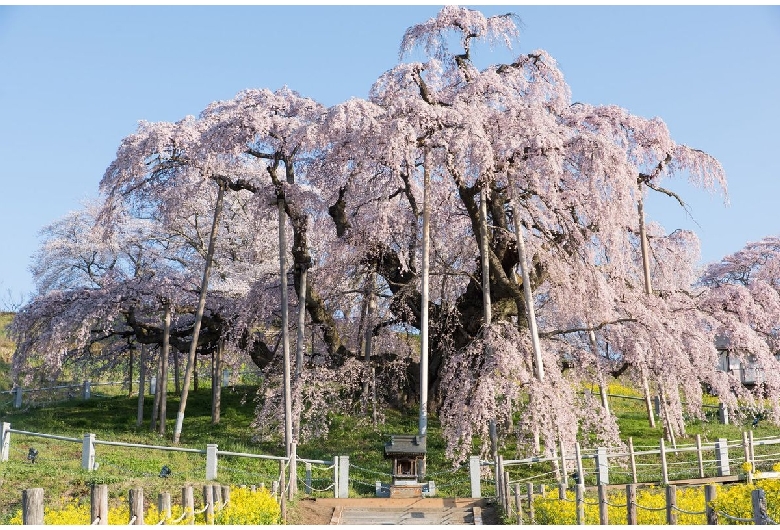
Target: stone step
(401, 515)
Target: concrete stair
(410, 512)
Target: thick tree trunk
(199, 313)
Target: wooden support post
(562, 491)
(163, 498)
(578, 456)
(98, 504)
(709, 495)
(746, 446)
(603, 515)
(188, 504)
(5, 439)
(664, 468)
(292, 483)
(518, 504)
(500, 479)
(580, 503)
(671, 504)
(225, 495)
(564, 472)
(32, 506)
(631, 504)
(633, 459)
(700, 456)
(759, 507)
(752, 447)
(217, 497)
(135, 500)
(507, 491)
(208, 502)
(282, 488)
(530, 493)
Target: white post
(474, 473)
(580, 472)
(211, 461)
(722, 456)
(664, 469)
(18, 397)
(86, 391)
(6, 441)
(88, 452)
(307, 479)
(336, 477)
(153, 385)
(602, 473)
(343, 477)
(225, 377)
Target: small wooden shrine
(408, 455)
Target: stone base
(406, 492)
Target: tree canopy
(570, 175)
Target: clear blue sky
(75, 80)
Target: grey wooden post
(631, 504)
(700, 456)
(282, 496)
(5, 432)
(518, 505)
(136, 501)
(709, 495)
(562, 491)
(88, 452)
(474, 473)
(225, 495)
(580, 472)
(500, 481)
(657, 405)
(217, 496)
(664, 467)
(722, 456)
(602, 466)
(343, 477)
(32, 506)
(292, 488)
(603, 515)
(671, 504)
(86, 391)
(307, 479)
(530, 493)
(632, 459)
(188, 503)
(18, 397)
(208, 502)
(163, 500)
(580, 503)
(723, 413)
(98, 500)
(564, 471)
(759, 507)
(507, 492)
(211, 461)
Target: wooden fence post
(633, 459)
(136, 501)
(664, 469)
(518, 504)
(564, 472)
(671, 504)
(282, 490)
(709, 495)
(603, 515)
(98, 499)
(500, 486)
(6, 441)
(164, 498)
(700, 456)
(631, 504)
(530, 493)
(578, 456)
(580, 503)
(208, 502)
(759, 507)
(225, 495)
(32, 506)
(217, 496)
(507, 491)
(752, 447)
(188, 503)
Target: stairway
(412, 512)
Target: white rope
(689, 513)
(740, 519)
(206, 507)
(96, 521)
(132, 520)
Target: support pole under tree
(285, 325)
(164, 354)
(530, 312)
(426, 243)
(199, 313)
(141, 386)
